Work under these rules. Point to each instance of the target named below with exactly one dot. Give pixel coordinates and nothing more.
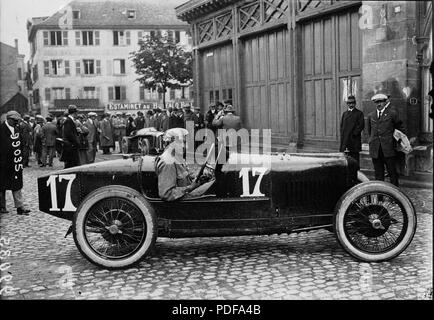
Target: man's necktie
(379, 114)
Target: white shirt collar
(12, 129)
(382, 110)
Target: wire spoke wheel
(374, 221)
(115, 228)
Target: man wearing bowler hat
(381, 124)
(11, 163)
(70, 136)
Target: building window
(67, 93)
(117, 93)
(35, 73)
(76, 14)
(55, 38)
(47, 94)
(36, 96)
(170, 36)
(20, 74)
(131, 14)
(58, 93)
(172, 94)
(177, 36)
(121, 38)
(91, 66)
(90, 93)
(56, 67)
(119, 66)
(87, 38)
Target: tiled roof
(196, 8)
(113, 13)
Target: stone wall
(9, 73)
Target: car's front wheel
(114, 227)
(374, 221)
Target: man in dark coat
(26, 139)
(11, 165)
(352, 125)
(49, 135)
(70, 136)
(381, 125)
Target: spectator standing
(381, 125)
(11, 166)
(37, 141)
(139, 121)
(83, 145)
(50, 133)
(92, 136)
(106, 141)
(189, 116)
(351, 127)
(209, 117)
(70, 137)
(26, 139)
(131, 126)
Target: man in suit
(11, 166)
(92, 136)
(70, 136)
(49, 135)
(228, 120)
(26, 139)
(381, 124)
(352, 124)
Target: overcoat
(11, 157)
(49, 133)
(106, 134)
(381, 130)
(92, 135)
(351, 127)
(70, 136)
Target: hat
(72, 108)
(118, 113)
(49, 117)
(26, 117)
(39, 118)
(80, 116)
(351, 97)
(196, 108)
(173, 133)
(13, 115)
(186, 106)
(91, 114)
(229, 108)
(379, 97)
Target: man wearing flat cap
(26, 133)
(70, 137)
(11, 163)
(381, 125)
(175, 181)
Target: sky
(15, 13)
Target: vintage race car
(144, 141)
(117, 215)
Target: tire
(126, 237)
(374, 221)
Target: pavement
(37, 262)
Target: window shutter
(98, 66)
(140, 36)
(97, 42)
(45, 38)
(142, 93)
(123, 93)
(46, 67)
(110, 92)
(128, 36)
(67, 93)
(78, 38)
(67, 70)
(122, 65)
(65, 38)
(115, 38)
(109, 68)
(77, 67)
(98, 93)
(47, 94)
(177, 36)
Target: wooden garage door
(266, 84)
(331, 64)
(217, 74)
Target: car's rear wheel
(374, 221)
(114, 227)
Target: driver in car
(175, 181)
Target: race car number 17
(51, 182)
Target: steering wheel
(205, 164)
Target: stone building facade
(289, 64)
(81, 55)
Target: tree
(162, 64)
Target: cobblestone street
(308, 265)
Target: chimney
(16, 44)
